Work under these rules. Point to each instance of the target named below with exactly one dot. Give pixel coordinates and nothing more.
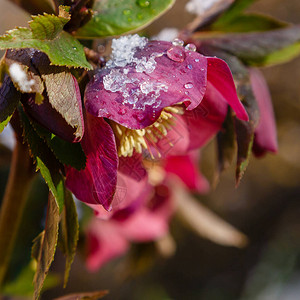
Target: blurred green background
(266, 207)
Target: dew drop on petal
(177, 42)
(188, 85)
(197, 60)
(190, 67)
(191, 47)
(122, 111)
(176, 54)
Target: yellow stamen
(142, 139)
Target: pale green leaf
(45, 33)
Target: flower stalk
(13, 204)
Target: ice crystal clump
(124, 48)
(20, 78)
(119, 79)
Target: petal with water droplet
(147, 90)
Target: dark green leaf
(70, 154)
(226, 144)
(250, 22)
(9, 99)
(258, 48)
(244, 130)
(47, 246)
(46, 34)
(116, 17)
(23, 286)
(45, 160)
(235, 10)
(69, 232)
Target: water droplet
(188, 85)
(74, 48)
(140, 16)
(186, 92)
(122, 111)
(143, 3)
(139, 117)
(190, 67)
(126, 12)
(197, 60)
(176, 54)
(190, 47)
(178, 42)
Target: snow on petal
(158, 75)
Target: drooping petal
(265, 134)
(186, 167)
(219, 75)
(132, 190)
(158, 75)
(96, 184)
(206, 120)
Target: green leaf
(69, 233)
(45, 160)
(116, 17)
(226, 144)
(9, 99)
(46, 34)
(258, 48)
(234, 11)
(67, 153)
(248, 23)
(23, 286)
(48, 244)
(244, 131)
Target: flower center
(145, 139)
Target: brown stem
(13, 203)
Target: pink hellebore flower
(149, 91)
(265, 134)
(146, 218)
(107, 239)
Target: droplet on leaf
(143, 3)
(126, 12)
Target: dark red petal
(219, 75)
(96, 184)
(174, 82)
(186, 167)
(207, 119)
(265, 133)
